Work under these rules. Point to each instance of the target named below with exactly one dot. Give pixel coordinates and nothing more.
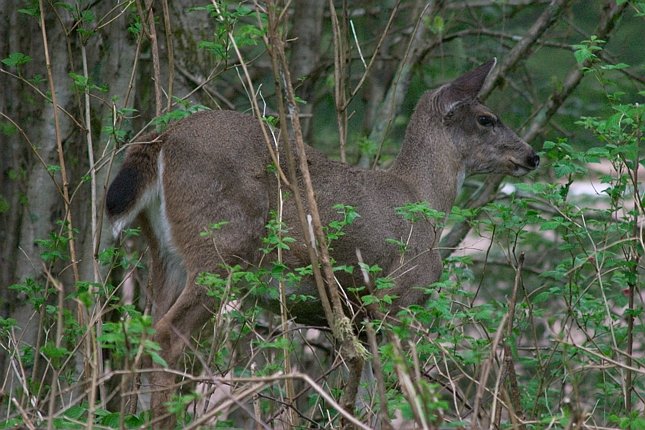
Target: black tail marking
(124, 191)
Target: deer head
(452, 135)
(484, 142)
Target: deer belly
(303, 302)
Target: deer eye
(486, 120)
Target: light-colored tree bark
(42, 198)
(398, 86)
(305, 54)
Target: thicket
(537, 321)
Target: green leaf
(134, 421)
(12, 423)
(8, 129)
(53, 168)
(417, 211)
(347, 268)
(553, 224)
(76, 412)
(16, 59)
(437, 26)
(384, 282)
(4, 204)
(31, 11)
(111, 419)
(618, 66)
(7, 323)
(582, 54)
(157, 359)
(53, 352)
(369, 299)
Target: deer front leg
(190, 311)
(411, 279)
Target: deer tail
(136, 184)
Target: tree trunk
(305, 54)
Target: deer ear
(466, 87)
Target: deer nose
(533, 160)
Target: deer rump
(214, 167)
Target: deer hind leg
(194, 305)
(238, 203)
(166, 279)
(174, 329)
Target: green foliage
(587, 49)
(335, 229)
(437, 25)
(178, 406)
(114, 129)
(6, 325)
(56, 246)
(116, 257)
(32, 9)
(86, 19)
(131, 336)
(34, 292)
(16, 59)
(367, 146)
(276, 237)
(212, 228)
(184, 109)
(135, 26)
(75, 417)
(420, 211)
(229, 21)
(83, 84)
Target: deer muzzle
(531, 162)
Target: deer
(213, 166)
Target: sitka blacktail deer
(213, 166)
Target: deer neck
(430, 164)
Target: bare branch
(524, 46)
(399, 87)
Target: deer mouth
(520, 169)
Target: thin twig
(399, 86)
(169, 50)
(636, 254)
(68, 217)
(485, 371)
(148, 19)
(508, 357)
(377, 49)
(358, 44)
(25, 417)
(335, 315)
(407, 384)
(259, 383)
(341, 55)
(378, 373)
(92, 354)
